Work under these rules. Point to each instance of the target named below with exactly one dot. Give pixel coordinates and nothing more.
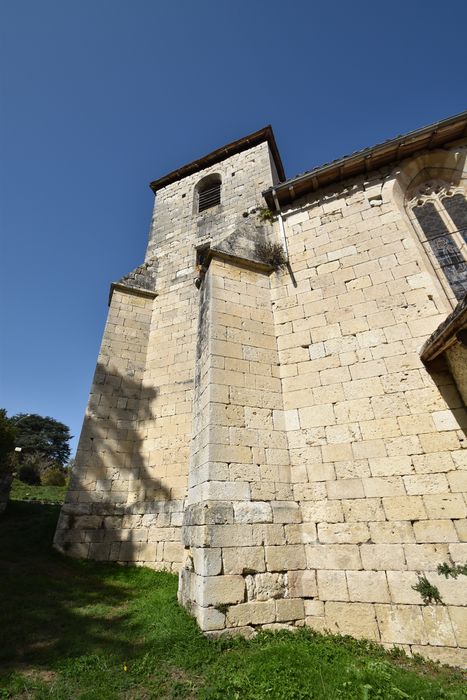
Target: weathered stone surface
(219, 590)
(278, 439)
(290, 609)
(243, 560)
(266, 586)
(252, 613)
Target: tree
(7, 441)
(43, 437)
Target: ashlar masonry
(291, 440)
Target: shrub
(53, 477)
(29, 474)
(265, 214)
(271, 253)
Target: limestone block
(285, 558)
(253, 512)
(356, 619)
(333, 556)
(320, 472)
(401, 624)
(294, 535)
(242, 560)
(425, 484)
(332, 585)
(207, 561)
(286, 512)
(363, 509)
(449, 420)
(246, 632)
(302, 584)
(149, 552)
(272, 534)
(438, 627)
(234, 535)
(458, 481)
(354, 410)
(461, 529)
(458, 618)
(458, 552)
(203, 514)
(452, 591)
(352, 468)
(312, 417)
(289, 609)
(404, 508)
(391, 532)
(225, 490)
(381, 557)
(345, 488)
(219, 590)
(425, 556)
(346, 533)
(394, 465)
(433, 463)
(368, 586)
(99, 551)
(209, 618)
(369, 449)
(435, 531)
(443, 506)
(252, 613)
(314, 608)
(322, 511)
(266, 586)
(384, 486)
(382, 427)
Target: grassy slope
(90, 631)
(24, 492)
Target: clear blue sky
(98, 97)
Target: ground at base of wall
(88, 630)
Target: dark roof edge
(265, 134)
(432, 136)
(446, 332)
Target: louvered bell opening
(209, 197)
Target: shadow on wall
(114, 498)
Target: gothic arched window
(439, 212)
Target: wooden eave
(217, 156)
(395, 150)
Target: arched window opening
(440, 212)
(208, 192)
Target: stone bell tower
(184, 423)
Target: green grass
(24, 492)
(88, 631)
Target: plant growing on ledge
(265, 214)
(271, 253)
(430, 594)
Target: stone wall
(377, 443)
(284, 418)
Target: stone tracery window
(439, 213)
